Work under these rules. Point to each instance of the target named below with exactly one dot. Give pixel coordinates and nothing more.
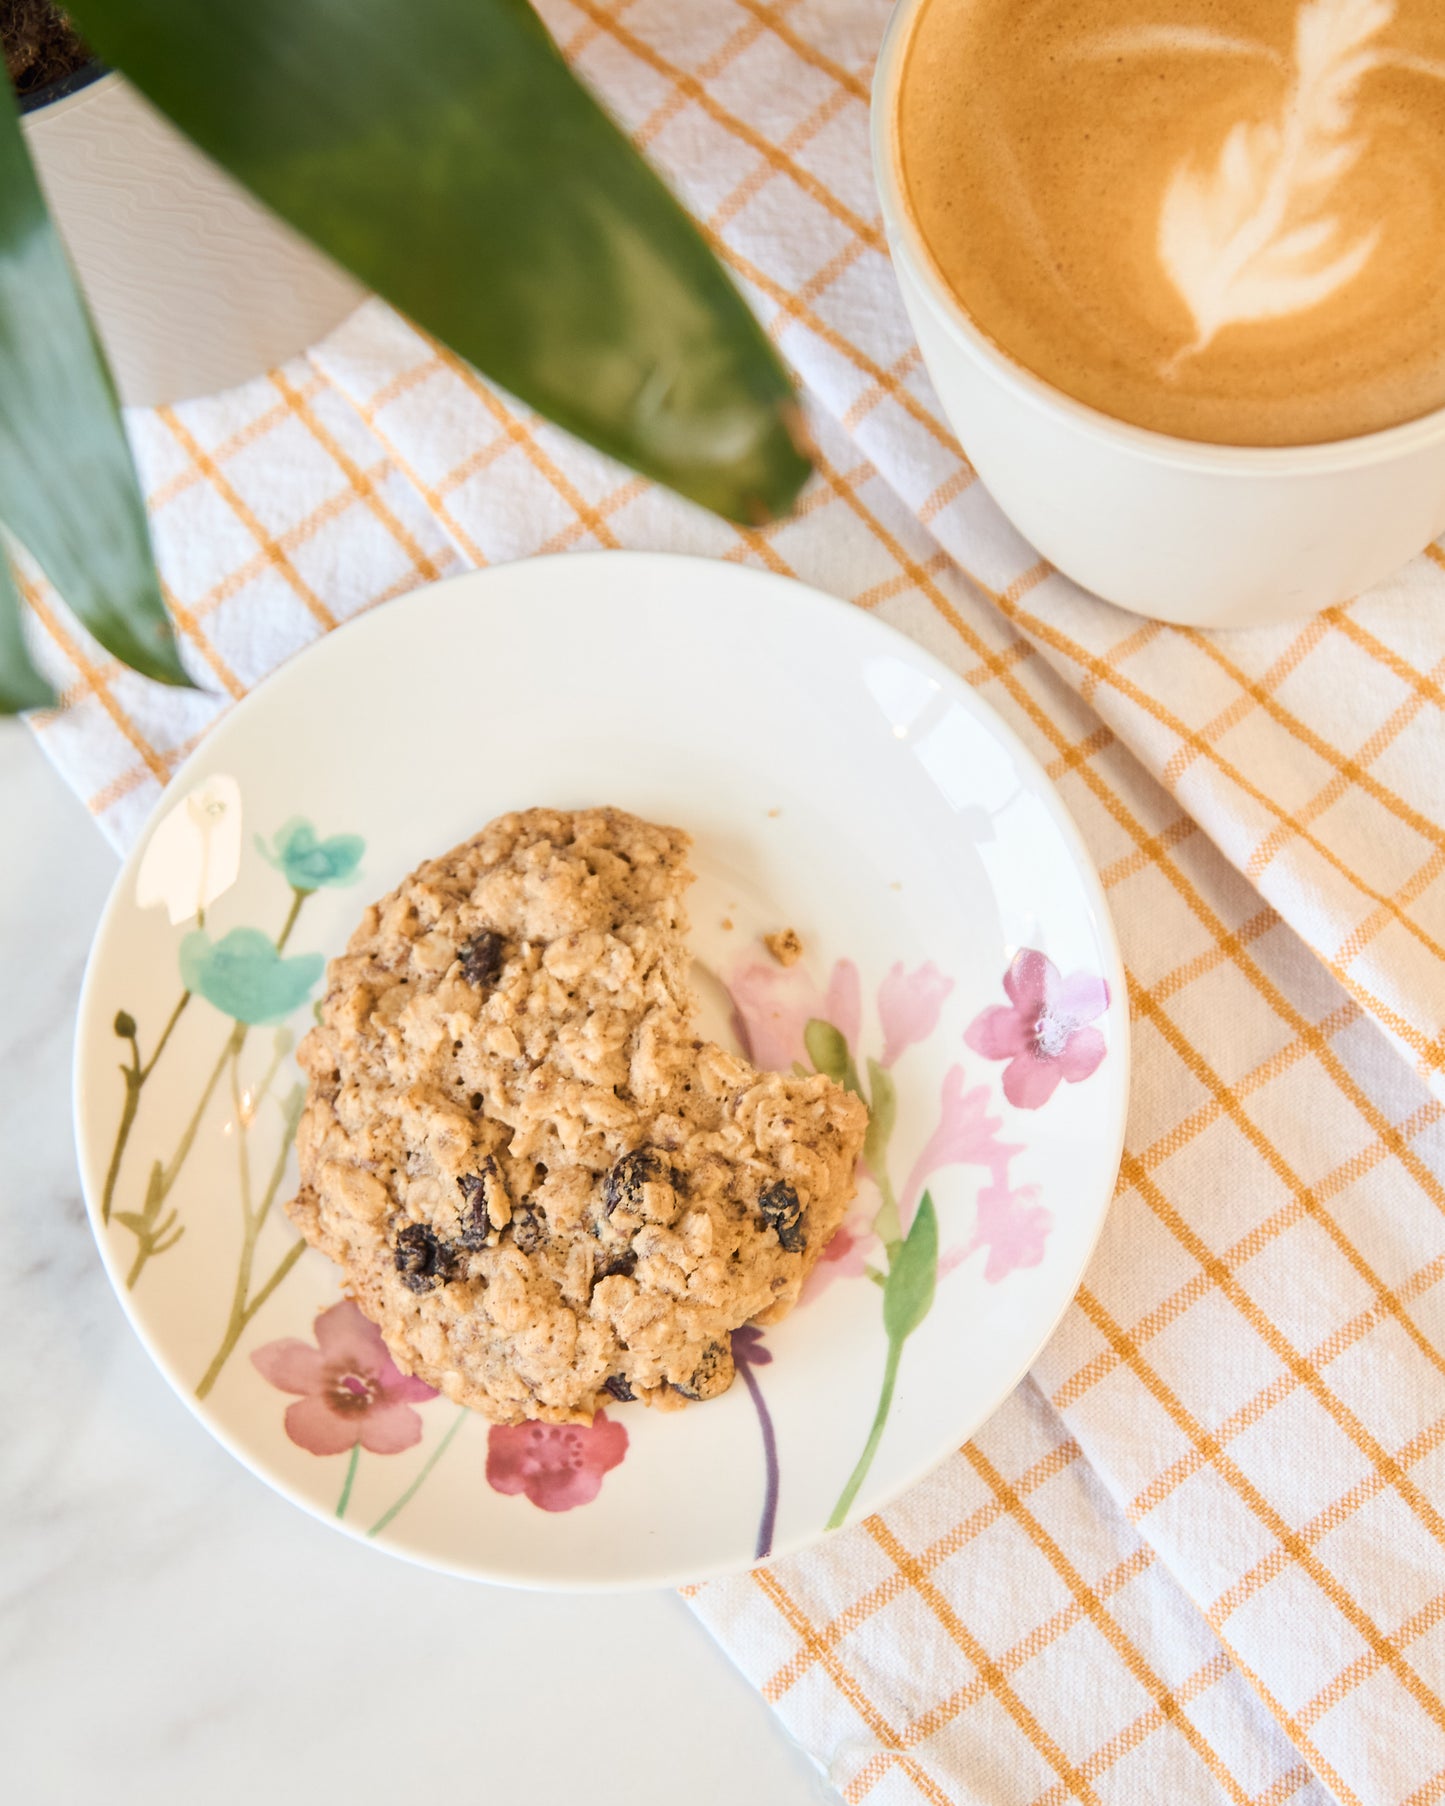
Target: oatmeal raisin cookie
(541, 1184)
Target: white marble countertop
(172, 1631)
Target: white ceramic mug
(1203, 535)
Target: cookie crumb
(785, 946)
(896, 884)
(773, 814)
(727, 923)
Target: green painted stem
(243, 1310)
(283, 1267)
(406, 1498)
(345, 1498)
(882, 1118)
(887, 1224)
(131, 1075)
(298, 897)
(175, 1017)
(243, 1133)
(234, 1042)
(143, 1253)
(237, 1320)
(875, 1436)
(243, 1306)
(135, 1076)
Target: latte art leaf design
(1253, 237)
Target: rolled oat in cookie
(542, 1185)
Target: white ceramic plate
(837, 780)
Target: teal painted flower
(244, 976)
(308, 863)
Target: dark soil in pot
(45, 55)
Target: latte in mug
(1220, 219)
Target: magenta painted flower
(351, 1389)
(966, 1136)
(1042, 1031)
(908, 1006)
(557, 1465)
(773, 1006)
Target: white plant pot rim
(194, 284)
(35, 107)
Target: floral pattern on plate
(349, 1395)
(192, 859)
(784, 1019)
(863, 787)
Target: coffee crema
(1220, 219)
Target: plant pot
(194, 286)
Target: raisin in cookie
(545, 1189)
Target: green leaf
(442, 150)
(908, 1295)
(882, 1114)
(21, 685)
(827, 1049)
(68, 489)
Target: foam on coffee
(1222, 219)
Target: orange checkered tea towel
(1200, 1555)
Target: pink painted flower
(351, 1389)
(1041, 1031)
(557, 1465)
(844, 1256)
(1013, 1226)
(908, 1006)
(965, 1136)
(773, 1006)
